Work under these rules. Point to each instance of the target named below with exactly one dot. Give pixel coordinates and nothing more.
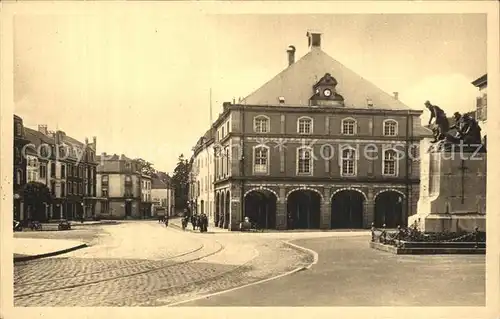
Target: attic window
(369, 102)
(281, 99)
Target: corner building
(316, 147)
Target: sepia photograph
(204, 158)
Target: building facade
(203, 176)
(67, 167)
(316, 147)
(162, 195)
(482, 103)
(146, 200)
(118, 187)
(19, 167)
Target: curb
(305, 250)
(54, 253)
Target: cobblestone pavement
(210, 266)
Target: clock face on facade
(327, 92)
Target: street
(349, 273)
(144, 263)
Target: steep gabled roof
(295, 85)
(157, 183)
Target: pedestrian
(165, 219)
(203, 223)
(193, 221)
(184, 222)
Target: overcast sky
(141, 84)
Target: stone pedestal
(453, 192)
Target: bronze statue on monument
(467, 131)
(441, 122)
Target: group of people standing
(198, 221)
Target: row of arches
(303, 208)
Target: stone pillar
(369, 215)
(236, 208)
(326, 211)
(369, 209)
(281, 211)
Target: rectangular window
(305, 126)
(53, 188)
(70, 187)
(63, 171)
(390, 128)
(75, 188)
(390, 163)
(105, 192)
(63, 189)
(261, 125)
(304, 161)
(104, 179)
(348, 162)
(348, 127)
(53, 169)
(223, 132)
(261, 160)
(43, 171)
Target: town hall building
(316, 147)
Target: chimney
(86, 141)
(291, 55)
(95, 142)
(43, 129)
(314, 39)
(369, 102)
(396, 95)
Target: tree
(180, 181)
(145, 167)
(35, 195)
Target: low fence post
(476, 236)
(398, 236)
(384, 234)
(373, 231)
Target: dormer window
(305, 125)
(281, 99)
(261, 124)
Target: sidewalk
(31, 248)
(176, 222)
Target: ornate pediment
(325, 92)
